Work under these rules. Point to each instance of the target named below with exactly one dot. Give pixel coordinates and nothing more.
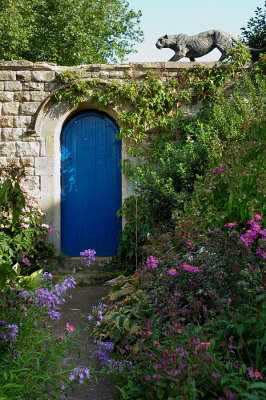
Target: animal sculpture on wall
(199, 45)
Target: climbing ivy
(175, 149)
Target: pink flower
(255, 226)
(179, 330)
(69, 327)
(257, 217)
(47, 227)
(189, 244)
(261, 253)
(230, 224)
(172, 271)
(187, 267)
(254, 374)
(152, 262)
(229, 301)
(205, 344)
(261, 288)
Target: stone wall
(31, 124)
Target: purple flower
(218, 170)
(261, 253)
(215, 375)
(230, 224)
(88, 255)
(189, 244)
(172, 271)
(152, 262)
(190, 268)
(25, 293)
(257, 217)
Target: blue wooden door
(90, 184)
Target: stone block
(104, 74)
(13, 86)
(3, 162)
(6, 122)
(2, 85)
(6, 96)
(44, 166)
(22, 96)
(14, 161)
(23, 75)
(9, 134)
(0, 108)
(36, 86)
(43, 76)
(21, 122)
(29, 108)
(29, 171)
(7, 149)
(10, 108)
(27, 161)
(116, 74)
(31, 183)
(7, 75)
(37, 96)
(28, 149)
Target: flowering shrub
(29, 351)
(202, 334)
(88, 256)
(22, 233)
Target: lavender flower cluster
(81, 373)
(88, 255)
(9, 332)
(102, 354)
(52, 298)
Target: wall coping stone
(21, 65)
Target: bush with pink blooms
(22, 235)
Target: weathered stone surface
(43, 76)
(31, 182)
(38, 86)
(14, 161)
(22, 96)
(29, 171)
(28, 149)
(7, 149)
(6, 96)
(2, 86)
(13, 86)
(7, 75)
(37, 96)
(10, 108)
(44, 166)
(3, 162)
(23, 75)
(6, 122)
(10, 134)
(21, 122)
(29, 108)
(27, 161)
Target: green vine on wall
(147, 108)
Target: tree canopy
(254, 33)
(68, 32)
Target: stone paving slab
(81, 303)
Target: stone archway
(49, 123)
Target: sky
(171, 17)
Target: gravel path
(81, 303)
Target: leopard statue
(199, 45)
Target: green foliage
(236, 193)
(22, 234)
(68, 32)
(255, 32)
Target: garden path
(81, 303)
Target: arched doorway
(90, 184)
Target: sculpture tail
(257, 50)
(262, 50)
